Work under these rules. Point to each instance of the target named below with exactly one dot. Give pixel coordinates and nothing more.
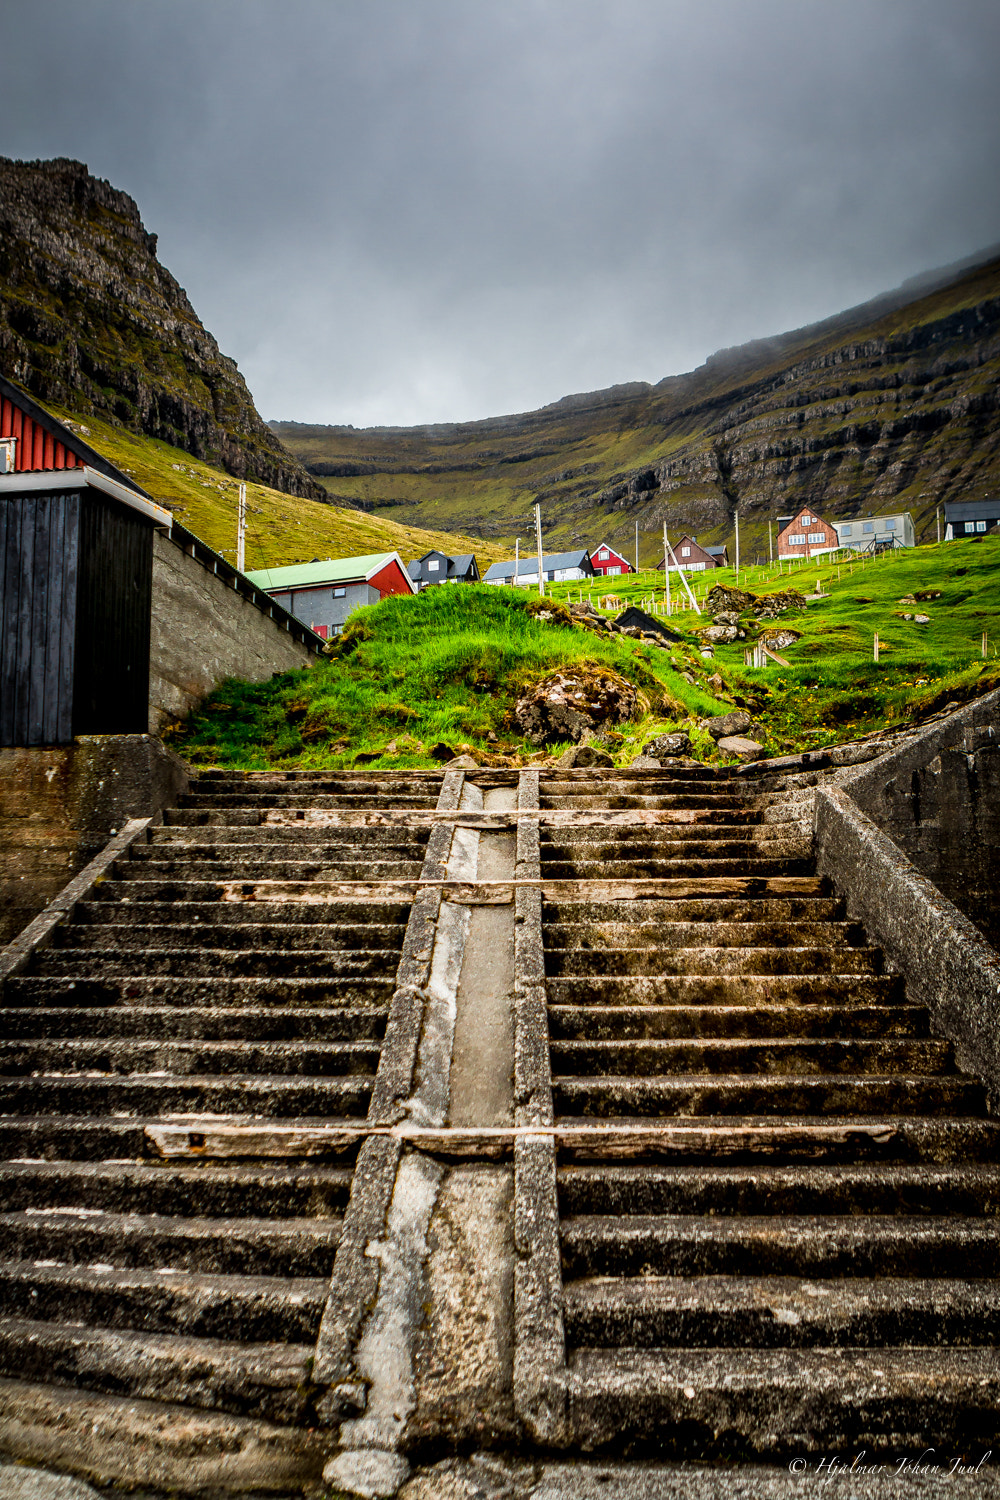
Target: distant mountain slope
(281, 528)
(91, 321)
(892, 404)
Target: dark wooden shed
(76, 570)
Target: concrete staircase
(181, 990)
(815, 1258)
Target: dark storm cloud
(404, 210)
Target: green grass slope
(281, 528)
(442, 667)
(446, 667)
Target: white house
(871, 533)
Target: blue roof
(551, 562)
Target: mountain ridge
(889, 403)
(90, 321)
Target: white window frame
(685, 552)
(798, 540)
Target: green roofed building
(322, 594)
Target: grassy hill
(891, 405)
(445, 668)
(281, 528)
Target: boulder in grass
(737, 744)
(668, 744)
(583, 757)
(576, 700)
(645, 763)
(738, 722)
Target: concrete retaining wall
(202, 631)
(931, 803)
(59, 806)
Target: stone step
(616, 801)
(137, 989)
(254, 963)
(290, 936)
(779, 1245)
(156, 866)
(367, 801)
(708, 910)
(249, 1093)
(261, 1308)
(228, 1246)
(662, 963)
(203, 1189)
(779, 1057)
(609, 1096)
(184, 1023)
(773, 1312)
(90, 1137)
(777, 1401)
(780, 841)
(265, 1380)
(840, 1140)
(124, 908)
(771, 1188)
(706, 866)
(736, 989)
(619, 1023)
(238, 823)
(312, 1059)
(612, 937)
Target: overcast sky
(394, 211)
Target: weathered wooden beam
(216, 1138)
(501, 892)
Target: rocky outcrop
(90, 321)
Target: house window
(890, 525)
(845, 530)
(798, 540)
(433, 566)
(805, 520)
(613, 571)
(980, 525)
(867, 526)
(603, 554)
(817, 536)
(339, 593)
(970, 526)
(685, 552)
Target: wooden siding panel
(114, 595)
(36, 651)
(36, 450)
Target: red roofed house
(609, 562)
(322, 594)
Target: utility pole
(241, 531)
(737, 515)
(637, 546)
(770, 544)
(680, 574)
(517, 560)
(666, 567)
(538, 544)
(937, 518)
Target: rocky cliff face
(891, 405)
(90, 321)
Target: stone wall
(938, 799)
(203, 631)
(59, 806)
(887, 833)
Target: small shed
(76, 567)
